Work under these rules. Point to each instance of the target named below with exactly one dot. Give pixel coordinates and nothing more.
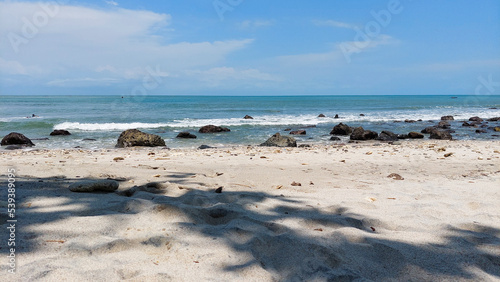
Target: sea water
(103, 118)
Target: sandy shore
(437, 218)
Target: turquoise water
(104, 117)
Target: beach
(418, 210)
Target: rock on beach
(15, 138)
(134, 137)
(280, 141)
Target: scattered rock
(428, 130)
(360, 133)
(247, 117)
(304, 146)
(447, 118)
(14, 147)
(448, 155)
(410, 121)
(298, 132)
(287, 129)
(361, 115)
(481, 131)
(213, 129)
(387, 136)
(334, 138)
(59, 132)
(186, 135)
(94, 186)
(89, 139)
(336, 116)
(203, 147)
(218, 190)
(403, 136)
(341, 129)
(415, 135)
(309, 126)
(15, 138)
(321, 116)
(439, 134)
(478, 119)
(494, 119)
(134, 137)
(118, 159)
(466, 124)
(296, 184)
(40, 139)
(443, 124)
(395, 176)
(280, 141)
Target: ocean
(103, 118)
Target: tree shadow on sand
(280, 234)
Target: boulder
(298, 132)
(280, 141)
(15, 138)
(334, 138)
(447, 118)
(360, 133)
(415, 135)
(88, 186)
(247, 117)
(361, 115)
(439, 134)
(59, 132)
(134, 137)
(341, 129)
(186, 135)
(213, 129)
(403, 136)
(494, 119)
(336, 116)
(481, 131)
(428, 130)
(478, 119)
(387, 136)
(321, 116)
(443, 124)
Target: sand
(324, 213)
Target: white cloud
(222, 75)
(333, 23)
(16, 68)
(83, 82)
(255, 23)
(112, 3)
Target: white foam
(106, 126)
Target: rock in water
(438, 134)
(94, 186)
(280, 141)
(447, 118)
(213, 129)
(321, 116)
(15, 138)
(298, 132)
(333, 138)
(387, 136)
(443, 124)
(341, 129)
(248, 117)
(415, 135)
(59, 132)
(134, 137)
(186, 135)
(360, 133)
(478, 119)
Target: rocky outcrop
(186, 135)
(341, 129)
(213, 129)
(447, 118)
(134, 137)
(387, 136)
(89, 186)
(360, 133)
(247, 117)
(415, 135)
(59, 132)
(439, 134)
(15, 138)
(280, 141)
(298, 132)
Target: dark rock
(387, 136)
(287, 129)
(361, 115)
(481, 131)
(60, 132)
(360, 133)
(415, 135)
(443, 124)
(447, 118)
(439, 134)
(280, 141)
(321, 116)
(341, 129)
(494, 119)
(14, 147)
(89, 139)
(94, 186)
(397, 121)
(247, 117)
(304, 146)
(298, 132)
(333, 138)
(213, 129)
(403, 136)
(410, 121)
(478, 119)
(419, 119)
(203, 147)
(468, 124)
(15, 138)
(186, 135)
(428, 130)
(41, 139)
(134, 137)
(309, 126)
(218, 190)
(336, 116)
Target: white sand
(346, 221)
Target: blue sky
(250, 47)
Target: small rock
(89, 139)
(387, 136)
(186, 135)
(304, 146)
(395, 176)
(443, 124)
(213, 129)
(447, 118)
(218, 190)
(341, 129)
(296, 184)
(59, 132)
(321, 116)
(481, 131)
(497, 129)
(118, 159)
(438, 134)
(361, 115)
(280, 141)
(298, 132)
(494, 119)
(94, 186)
(247, 117)
(410, 121)
(203, 147)
(478, 119)
(415, 135)
(448, 155)
(336, 116)
(287, 129)
(334, 138)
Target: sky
(250, 47)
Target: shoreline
(367, 210)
